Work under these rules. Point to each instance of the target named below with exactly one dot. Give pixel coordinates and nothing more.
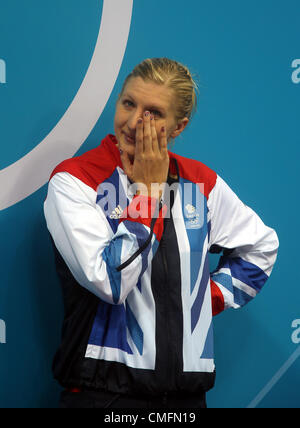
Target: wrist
(153, 191)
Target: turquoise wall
(246, 55)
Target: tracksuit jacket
(138, 293)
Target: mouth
(129, 139)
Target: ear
(179, 127)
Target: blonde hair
(174, 75)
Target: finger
(147, 134)
(163, 143)
(155, 145)
(139, 138)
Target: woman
(133, 256)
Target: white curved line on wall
(32, 171)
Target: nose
(133, 118)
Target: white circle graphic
(32, 171)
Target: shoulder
(195, 171)
(94, 166)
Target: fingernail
(121, 151)
(140, 120)
(147, 113)
(163, 129)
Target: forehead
(149, 93)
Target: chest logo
(193, 218)
(116, 213)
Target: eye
(156, 113)
(128, 103)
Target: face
(139, 96)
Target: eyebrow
(150, 107)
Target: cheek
(118, 125)
(119, 117)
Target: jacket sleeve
(249, 249)
(107, 264)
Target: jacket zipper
(168, 368)
(168, 359)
